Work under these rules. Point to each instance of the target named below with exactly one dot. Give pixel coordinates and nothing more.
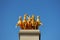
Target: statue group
(29, 22)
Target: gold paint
(29, 23)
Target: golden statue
(29, 23)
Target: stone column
(29, 35)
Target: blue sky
(48, 10)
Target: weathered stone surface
(29, 35)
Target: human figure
(25, 21)
(20, 23)
(33, 22)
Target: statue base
(29, 35)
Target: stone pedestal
(29, 35)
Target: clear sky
(48, 10)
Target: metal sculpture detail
(29, 22)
